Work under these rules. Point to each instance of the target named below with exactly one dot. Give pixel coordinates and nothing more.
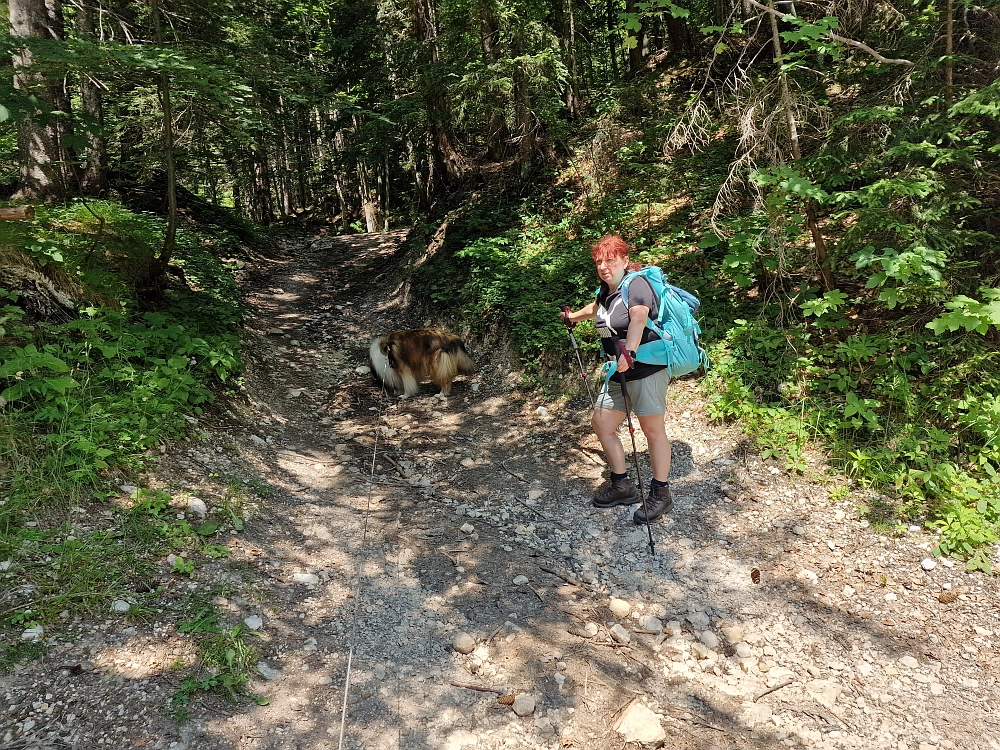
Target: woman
(646, 384)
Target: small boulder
(120, 606)
(33, 634)
(709, 638)
(524, 704)
(463, 643)
(267, 672)
(732, 632)
(620, 634)
(619, 607)
(254, 622)
(639, 724)
(197, 506)
(650, 624)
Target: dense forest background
(825, 175)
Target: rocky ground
(445, 551)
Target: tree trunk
(573, 91)
(445, 156)
(679, 35)
(527, 132)
(94, 178)
(949, 48)
(61, 103)
(170, 237)
(37, 137)
(498, 134)
(822, 257)
(614, 41)
(635, 59)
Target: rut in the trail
(478, 522)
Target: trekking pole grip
(624, 352)
(564, 311)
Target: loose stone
(620, 634)
(639, 724)
(464, 643)
(524, 705)
(619, 607)
(253, 622)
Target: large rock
(732, 632)
(639, 724)
(756, 715)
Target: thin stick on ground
(777, 687)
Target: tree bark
(679, 36)
(37, 138)
(614, 41)
(94, 178)
(527, 131)
(497, 132)
(819, 243)
(949, 66)
(170, 237)
(569, 45)
(635, 59)
(447, 163)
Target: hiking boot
(622, 492)
(658, 502)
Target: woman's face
(608, 270)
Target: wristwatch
(631, 353)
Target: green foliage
(95, 393)
(969, 314)
(227, 658)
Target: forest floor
(386, 532)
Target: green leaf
(208, 528)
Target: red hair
(612, 246)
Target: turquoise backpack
(676, 344)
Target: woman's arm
(637, 315)
(584, 313)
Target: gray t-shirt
(613, 318)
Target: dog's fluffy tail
(382, 366)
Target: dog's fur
(403, 358)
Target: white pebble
(928, 563)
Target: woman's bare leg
(605, 423)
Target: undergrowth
(893, 372)
(87, 400)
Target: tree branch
(842, 39)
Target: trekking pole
(576, 349)
(635, 451)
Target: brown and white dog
(404, 358)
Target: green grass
(84, 402)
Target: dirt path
(476, 521)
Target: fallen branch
(777, 687)
(513, 473)
(478, 688)
(557, 574)
(17, 213)
(842, 39)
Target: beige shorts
(647, 395)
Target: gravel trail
(448, 549)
